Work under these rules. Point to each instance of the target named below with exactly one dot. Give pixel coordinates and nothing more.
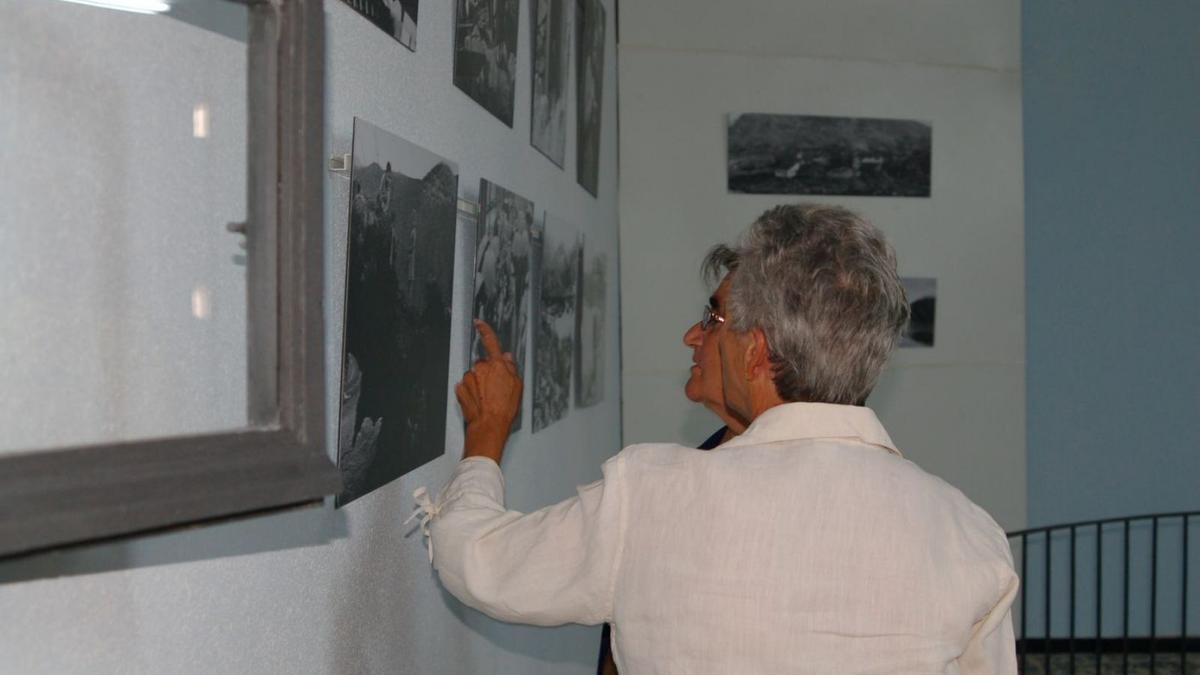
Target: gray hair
(821, 283)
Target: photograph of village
(399, 280)
(811, 155)
(485, 53)
(556, 256)
(502, 271)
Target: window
(259, 444)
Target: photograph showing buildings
(485, 53)
(399, 279)
(810, 155)
(589, 90)
(502, 261)
(551, 50)
(397, 18)
(922, 304)
(589, 328)
(554, 281)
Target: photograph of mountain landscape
(551, 52)
(590, 316)
(397, 18)
(589, 91)
(556, 256)
(811, 155)
(922, 304)
(396, 336)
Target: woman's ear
(758, 355)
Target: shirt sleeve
(992, 647)
(546, 568)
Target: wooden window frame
(66, 496)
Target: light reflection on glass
(201, 302)
(138, 6)
(200, 120)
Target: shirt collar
(799, 421)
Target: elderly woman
(806, 543)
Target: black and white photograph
(922, 301)
(813, 155)
(556, 255)
(396, 339)
(397, 18)
(485, 53)
(551, 56)
(590, 317)
(589, 91)
(502, 271)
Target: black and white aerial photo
(922, 303)
(502, 274)
(811, 155)
(556, 260)
(551, 56)
(589, 91)
(591, 299)
(397, 18)
(485, 53)
(399, 280)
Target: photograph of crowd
(556, 256)
(502, 270)
(485, 53)
(399, 280)
(589, 90)
(591, 300)
(922, 303)
(811, 155)
(551, 50)
(397, 18)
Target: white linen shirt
(805, 545)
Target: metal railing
(1139, 565)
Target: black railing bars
(1066, 615)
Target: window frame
(65, 496)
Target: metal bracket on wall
(340, 164)
(467, 207)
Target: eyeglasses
(710, 318)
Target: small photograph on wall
(551, 50)
(922, 303)
(590, 317)
(502, 274)
(485, 53)
(589, 91)
(396, 335)
(397, 18)
(811, 155)
(556, 259)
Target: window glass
(123, 137)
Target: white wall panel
(680, 80)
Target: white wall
(957, 409)
(346, 591)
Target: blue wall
(1112, 227)
(1112, 180)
